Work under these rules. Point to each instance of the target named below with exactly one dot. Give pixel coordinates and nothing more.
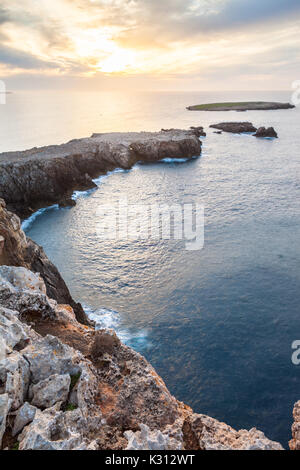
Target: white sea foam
(107, 318)
(97, 181)
(177, 160)
(26, 224)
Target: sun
(119, 60)
(101, 52)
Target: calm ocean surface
(217, 324)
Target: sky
(150, 44)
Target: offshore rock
(235, 127)
(269, 132)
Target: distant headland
(243, 106)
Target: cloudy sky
(174, 44)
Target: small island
(243, 106)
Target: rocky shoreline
(63, 385)
(41, 177)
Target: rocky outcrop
(43, 176)
(98, 395)
(18, 250)
(235, 127)
(295, 441)
(213, 435)
(266, 132)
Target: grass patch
(226, 105)
(71, 407)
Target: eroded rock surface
(18, 250)
(43, 176)
(101, 395)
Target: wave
(177, 160)
(107, 318)
(97, 181)
(26, 224)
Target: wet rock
(235, 127)
(266, 132)
(51, 390)
(199, 131)
(24, 416)
(67, 202)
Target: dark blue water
(217, 324)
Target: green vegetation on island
(241, 106)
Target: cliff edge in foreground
(65, 386)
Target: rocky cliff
(64, 385)
(43, 176)
(18, 250)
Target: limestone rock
(51, 390)
(214, 435)
(13, 333)
(24, 416)
(48, 431)
(5, 403)
(14, 377)
(24, 291)
(20, 251)
(295, 441)
(49, 356)
(145, 439)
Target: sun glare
(119, 61)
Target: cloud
(171, 37)
(23, 60)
